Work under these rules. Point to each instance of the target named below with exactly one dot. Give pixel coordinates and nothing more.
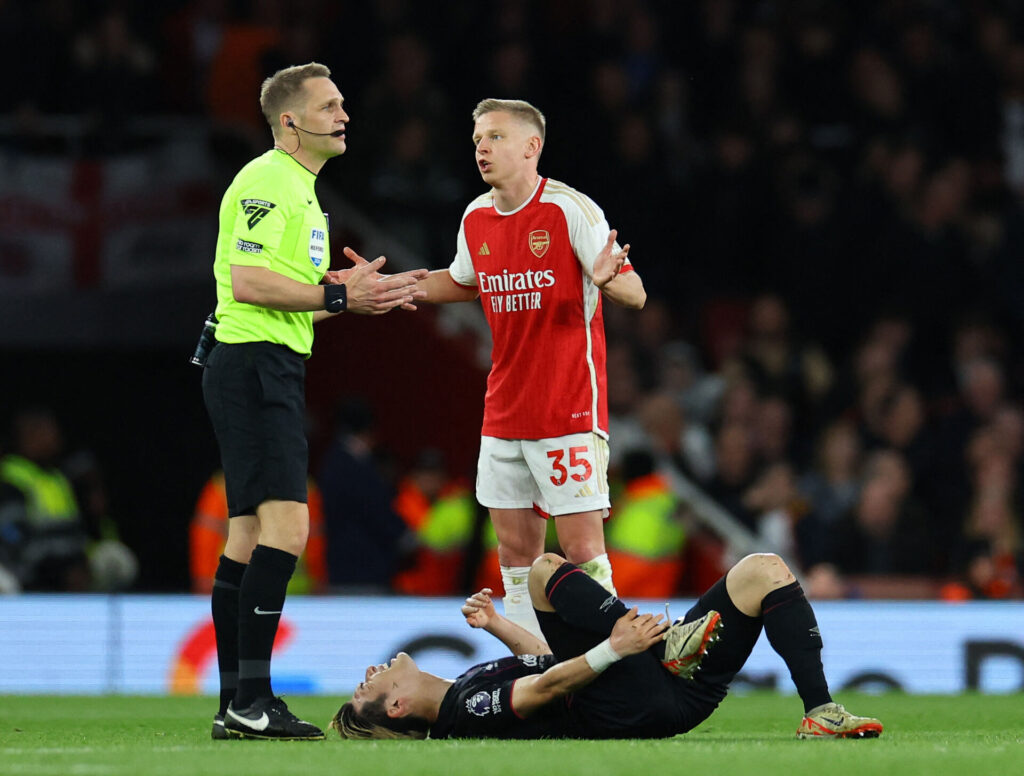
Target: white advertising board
(164, 644)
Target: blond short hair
(280, 91)
(520, 109)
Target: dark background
(857, 159)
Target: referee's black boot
(269, 719)
(219, 732)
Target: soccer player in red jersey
(540, 255)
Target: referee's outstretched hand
(370, 292)
(633, 633)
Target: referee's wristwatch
(335, 298)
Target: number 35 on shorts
(576, 458)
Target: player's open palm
(479, 608)
(609, 261)
(633, 633)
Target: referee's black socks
(224, 606)
(260, 602)
(792, 631)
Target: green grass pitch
(750, 735)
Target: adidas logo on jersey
(484, 250)
(584, 492)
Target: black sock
(224, 605)
(792, 631)
(260, 602)
(581, 601)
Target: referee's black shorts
(255, 395)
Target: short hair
(521, 109)
(373, 722)
(279, 91)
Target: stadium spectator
(776, 506)
(645, 535)
(272, 254)
(1007, 428)
(735, 471)
(365, 536)
(234, 67)
(512, 69)
(981, 394)
(441, 514)
(192, 36)
(729, 219)
(773, 433)
(682, 375)
(830, 487)
(778, 363)
(406, 90)
(619, 686)
(113, 68)
(810, 257)
(886, 532)
(739, 398)
(625, 395)
(412, 188)
(114, 567)
(673, 438)
(549, 456)
(989, 552)
(43, 538)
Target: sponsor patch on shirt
(256, 209)
(247, 246)
(317, 246)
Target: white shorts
(559, 476)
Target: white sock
(599, 569)
(517, 603)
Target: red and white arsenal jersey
(533, 267)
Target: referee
(273, 284)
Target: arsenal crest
(539, 242)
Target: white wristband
(601, 656)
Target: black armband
(335, 298)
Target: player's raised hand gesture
(371, 293)
(609, 261)
(479, 608)
(633, 632)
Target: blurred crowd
(56, 530)
(824, 199)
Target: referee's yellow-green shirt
(270, 217)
